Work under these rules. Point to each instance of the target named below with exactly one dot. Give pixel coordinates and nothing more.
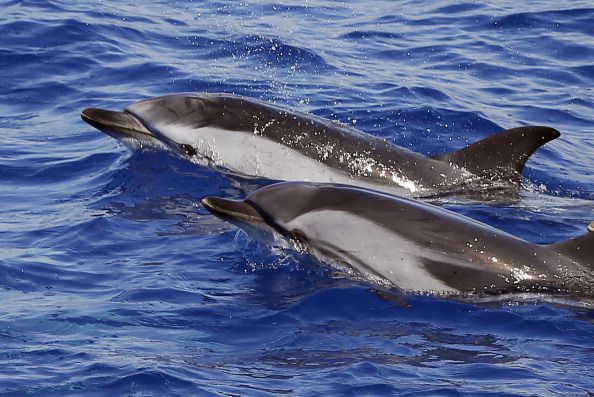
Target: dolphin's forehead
(194, 111)
(283, 201)
(170, 109)
(289, 200)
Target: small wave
(460, 8)
(29, 273)
(169, 295)
(372, 34)
(273, 53)
(149, 381)
(552, 19)
(584, 72)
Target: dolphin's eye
(187, 149)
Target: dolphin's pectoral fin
(581, 248)
(502, 155)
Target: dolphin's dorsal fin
(502, 155)
(580, 249)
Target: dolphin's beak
(241, 214)
(116, 124)
(232, 210)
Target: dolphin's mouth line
(181, 148)
(141, 122)
(127, 124)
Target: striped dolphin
(254, 138)
(412, 245)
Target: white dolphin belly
(255, 155)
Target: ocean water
(115, 281)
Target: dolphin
(412, 245)
(253, 138)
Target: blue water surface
(115, 281)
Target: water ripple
(114, 280)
